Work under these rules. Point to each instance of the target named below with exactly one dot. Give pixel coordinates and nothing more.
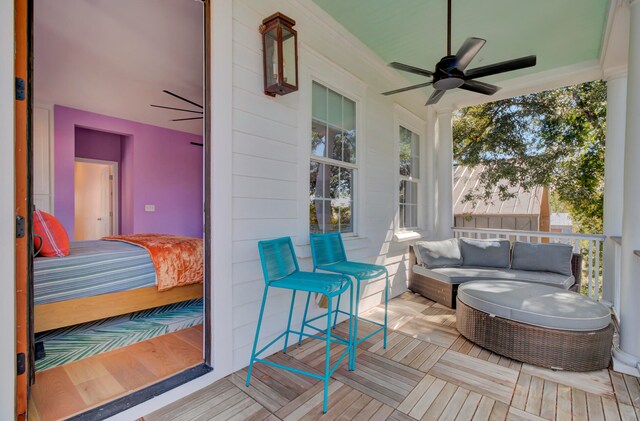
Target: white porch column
(444, 189)
(430, 173)
(629, 355)
(613, 177)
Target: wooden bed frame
(445, 293)
(80, 310)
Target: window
(333, 161)
(409, 178)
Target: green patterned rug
(73, 343)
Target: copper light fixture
(279, 55)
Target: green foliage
(554, 138)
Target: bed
(100, 279)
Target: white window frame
(316, 68)
(408, 120)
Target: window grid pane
(333, 136)
(331, 198)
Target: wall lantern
(280, 55)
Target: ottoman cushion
(535, 304)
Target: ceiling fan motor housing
(447, 76)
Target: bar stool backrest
(327, 249)
(278, 258)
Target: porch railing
(589, 245)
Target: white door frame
(116, 191)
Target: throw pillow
(55, 241)
(436, 254)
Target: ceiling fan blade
(190, 118)
(480, 87)
(502, 67)
(408, 88)
(468, 51)
(411, 69)
(435, 96)
(179, 97)
(177, 109)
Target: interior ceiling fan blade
(468, 51)
(177, 109)
(190, 118)
(179, 97)
(411, 69)
(502, 67)
(408, 88)
(480, 87)
(435, 96)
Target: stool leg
(335, 319)
(356, 296)
(304, 318)
(286, 336)
(255, 341)
(352, 346)
(327, 357)
(386, 306)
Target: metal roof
(466, 179)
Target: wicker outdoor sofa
(438, 286)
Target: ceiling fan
(450, 72)
(181, 109)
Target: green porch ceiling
(559, 32)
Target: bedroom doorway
(108, 329)
(96, 199)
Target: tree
(553, 138)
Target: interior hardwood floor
(428, 371)
(73, 388)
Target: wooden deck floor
(428, 371)
(73, 388)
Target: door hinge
(110, 177)
(19, 89)
(19, 226)
(21, 363)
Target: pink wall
(162, 168)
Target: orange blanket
(178, 260)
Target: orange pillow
(55, 241)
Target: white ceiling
(115, 57)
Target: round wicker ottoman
(536, 324)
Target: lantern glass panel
(289, 56)
(271, 56)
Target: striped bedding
(92, 268)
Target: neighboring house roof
(561, 219)
(466, 179)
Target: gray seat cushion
(459, 275)
(486, 253)
(542, 257)
(535, 304)
(435, 254)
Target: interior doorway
(96, 199)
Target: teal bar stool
(328, 255)
(280, 269)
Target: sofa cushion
(486, 253)
(459, 275)
(436, 254)
(535, 304)
(542, 257)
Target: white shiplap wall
(270, 161)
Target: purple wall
(162, 168)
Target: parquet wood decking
(428, 371)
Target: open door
(23, 205)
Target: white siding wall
(270, 165)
